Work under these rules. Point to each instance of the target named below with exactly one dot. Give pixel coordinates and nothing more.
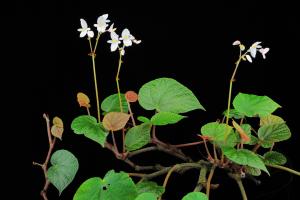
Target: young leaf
(244, 157)
(244, 136)
(83, 100)
(143, 119)
(89, 189)
(166, 94)
(112, 104)
(149, 186)
(270, 119)
(58, 122)
(57, 131)
(138, 136)
(88, 126)
(115, 121)
(222, 134)
(195, 196)
(147, 196)
(114, 186)
(274, 158)
(63, 170)
(274, 132)
(233, 113)
(253, 105)
(253, 171)
(164, 118)
(131, 96)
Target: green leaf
(222, 134)
(274, 158)
(147, 196)
(247, 130)
(164, 118)
(63, 170)
(138, 136)
(253, 140)
(244, 157)
(166, 94)
(89, 190)
(233, 113)
(143, 119)
(253, 171)
(114, 186)
(88, 126)
(112, 104)
(149, 186)
(270, 119)
(253, 105)
(274, 132)
(195, 196)
(266, 144)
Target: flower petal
(90, 34)
(114, 36)
(83, 33)
(125, 32)
(127, 42)
(253, 51)
(237, 42)
(114, 46)
(249, 58)
(83, 23)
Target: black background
(191, 43)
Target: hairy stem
(131, 114)
(187, 144)
(285, 169)
(238, 180)
(201, 180)
(208, 183)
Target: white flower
(264, 51)
(253, 48)
(127, 37)
(102, 23)
(114, 41)
(85, 30)
(249, 58)
(136, 41)
(111, 28)
(237, 42)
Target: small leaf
(270, 119)
(253, 171)
(149, 186)
(138, 136)
(222, 134)
(114, 186)
(253, 140)
(115, 121)
(58, 122)
(131, 96)
(274, 132)
(164, 118)
(112, 104)
(244, 157)
(253, 105)
(195, 196)
(244, 136)
(63, 170)
(83, 100)
(143, 119)
(88, 126)
(57, 131)
(267, 144)
(233, 113)
(166, 94)
(147, 196)
(274, 158)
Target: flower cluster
(251, 52)
(115, 42)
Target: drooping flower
(114, 41)
(85, 30)
(264, 51)
(253, 48)
(102, 23)
(127, 37)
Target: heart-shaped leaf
(274, 158)
(274, 132)
(88, 126)
(112, 104)
(166, 94)
(115, 121)
(270, 119)
(195, 196)
(138, 136)
(252, 105)
(244, 157)
(63, 170)
(164, 118)
(114, 186)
